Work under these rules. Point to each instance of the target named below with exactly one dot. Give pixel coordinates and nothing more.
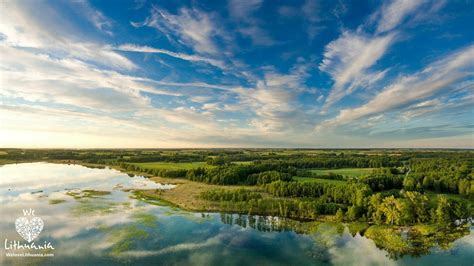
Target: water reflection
(416, 241)
(90, 218)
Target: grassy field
(172, 166)
(320, 180)
(344, 171)
(186, 193)
(243, 162)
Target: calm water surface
(89, 228)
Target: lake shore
(187, 196)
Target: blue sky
(250, 73)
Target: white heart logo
(29, 229)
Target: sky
(251, 73)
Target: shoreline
(186, 195)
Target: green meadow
(172, 166)
(344, 171)
(318, 180)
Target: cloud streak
(192, 26)
(347, 60)
(393, 13)
(97, 18)
(438, 76)
(182, 56)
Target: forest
(402, 187)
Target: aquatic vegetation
(87, 193)
(56, 201)
(145, 219)
(98, 207)
(152, 198)
(127, 237)
(123, 237)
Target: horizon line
(241, 148)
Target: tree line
(346, 193)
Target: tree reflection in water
(415, 241)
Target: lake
(90, 217)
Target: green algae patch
(151, 198)
(123, 238)
(97, 207)
(88, 193)
(145, 219)
(96, 192)
(56, 201)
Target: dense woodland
(405, 186)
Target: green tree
(460, 210)
(416, 207)
(409, 183)
(352, 213)
(442, 210)
(339, 215)
(391, 208)
(375, 212)
(427, 182)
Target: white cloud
(257, 35)
(187, 57)
(190, 84)
(248, 25)
(435, 106)
(347, 249)
(274, 100)
(347, 60)
(421, 108)
(221, 238)
(189, 118)
(23, 27)
(97, 18)
(201, 99)
(39, 127)
(440, 75)
(40, 77)
(193, 27)
(309, 11)
(242, 9)
(392, 14)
